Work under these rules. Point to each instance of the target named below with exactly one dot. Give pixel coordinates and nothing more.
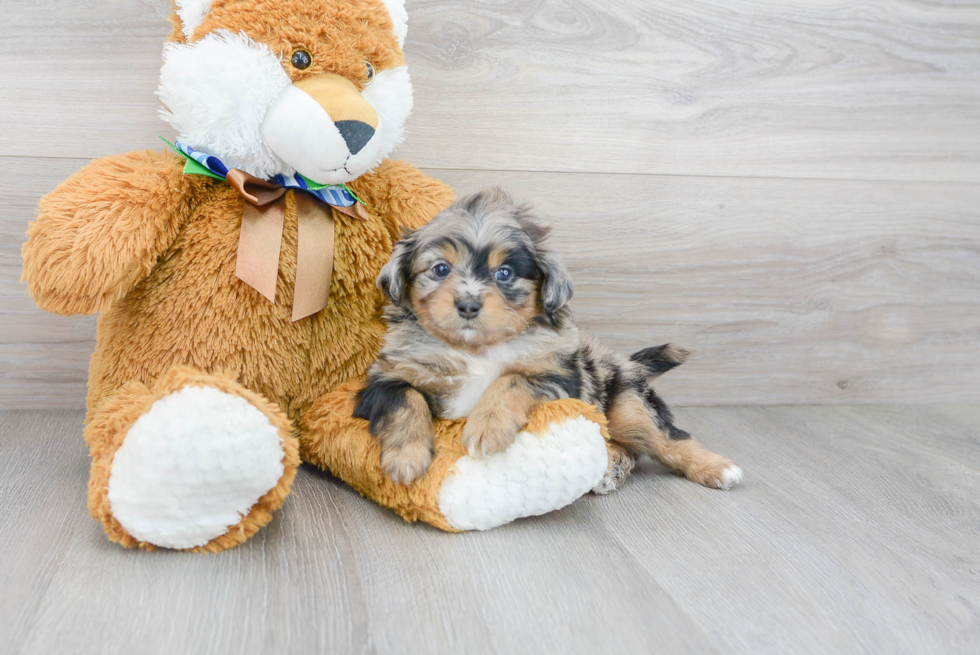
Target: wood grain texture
(791, 291)
(847, 529)
(43, 357)
(855, 532)
(835, 88)
(675, 145)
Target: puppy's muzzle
(469, 308)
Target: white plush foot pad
(193, 466)
(536, 475)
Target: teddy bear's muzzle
(324, 128)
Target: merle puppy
(478, 327)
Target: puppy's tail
(660, 359)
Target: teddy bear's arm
(101, 231)
(404, 197)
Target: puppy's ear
(556, 283)
(394, 276)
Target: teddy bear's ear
(192, 13)
(396, 8)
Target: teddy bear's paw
(192, 466)
(537, 474)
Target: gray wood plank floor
(857, 531)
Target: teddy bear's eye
(370, 71)
(301, 59)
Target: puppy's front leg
(401, 421)
(502, 411)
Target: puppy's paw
(731, 476)
(485, 435)
(406, 464)
(620, 466)
(721, 475)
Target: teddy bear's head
(316, 87)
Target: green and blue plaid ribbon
(338, 195)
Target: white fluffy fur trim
(192, 13)
(192, 466)
(302, 134)
(216, 93)
(396, 8)
(391, 96)
(536, 475)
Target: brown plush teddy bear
(235, 277)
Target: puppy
(479, 327)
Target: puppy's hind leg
(641, 427)
(621, 463)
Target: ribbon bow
(263, 216)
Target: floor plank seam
(530, 171)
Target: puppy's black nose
(468, 308)
(355, 133)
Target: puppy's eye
(370, 71)
(503, 274)
(301, 59)
(441, 269)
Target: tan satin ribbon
(260, 242)
(314, 256)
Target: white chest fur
(481, 371)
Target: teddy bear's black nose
(355, 133)
(468, 308)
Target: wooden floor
(857, 531)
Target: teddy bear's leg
(559, 455)
(196, 462)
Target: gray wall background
(790, 188)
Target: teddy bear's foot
(543, 470)
(200, 466)
(559, 455)
(192, 466)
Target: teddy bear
(234, 273)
